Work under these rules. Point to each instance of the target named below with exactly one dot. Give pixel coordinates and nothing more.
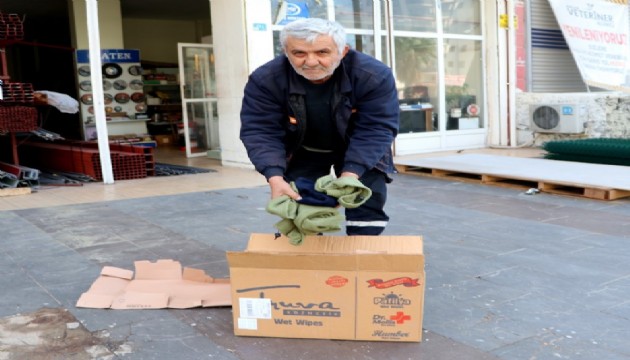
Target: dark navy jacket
(365, 107)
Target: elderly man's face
(315, 61)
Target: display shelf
(127, 120)
(161, 85)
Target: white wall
(157, 39)
(110, 29)
(233, 64)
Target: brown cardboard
(157, 285)
(163, 139)
(329, 287)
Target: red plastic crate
(18, 119)
(11, 27)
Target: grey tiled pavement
(509, 275)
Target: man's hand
(280, 187)
(349, 174)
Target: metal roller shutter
(552, 66)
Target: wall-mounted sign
(597, 33)
(291, 10)
(122, 78)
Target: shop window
(463, 84)
(366, 45)
(415, 15)
(417, 78)
(355, 14)
(461, 17)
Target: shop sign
(291, 10)
(111, 56)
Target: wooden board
(14, 191)
(596, 181)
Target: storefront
(449, 58)
(439, 51)
(435, 51)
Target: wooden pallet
(547, 186)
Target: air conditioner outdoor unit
(562, 119)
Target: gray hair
(311, 28)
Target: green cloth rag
(350, 192)
(283, 206)
(317, 219)
(288, 228)
(299, 220)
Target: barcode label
(255, 308)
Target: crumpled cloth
(350, 192)
(316, 212)
(300, 220)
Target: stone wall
(603, 114)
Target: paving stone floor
(509, 275)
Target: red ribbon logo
(404, 281)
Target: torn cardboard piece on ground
(157, 285)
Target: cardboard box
(157, 285)
(329, 287)
(163, 139)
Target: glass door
(199, 100)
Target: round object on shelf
(91, 109)
(135, 70)
(85, 85)
(137, 97)
(141, 108)
(120, 84)
(109, 110)
(117, 108)
(84, 70)
(122, 98)
(136, 84)
(108, 99)
(111, 70)
(87, 99)
(107, 85)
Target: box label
(255, 308)
(394, 303)
(391, 301)
(404, 281)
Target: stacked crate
(11, 27)
(17, 111)
(83, 157)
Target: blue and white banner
(291, 10)
(111, 56)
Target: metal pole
(97, 90)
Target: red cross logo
(400, 317)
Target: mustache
(318, 67)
